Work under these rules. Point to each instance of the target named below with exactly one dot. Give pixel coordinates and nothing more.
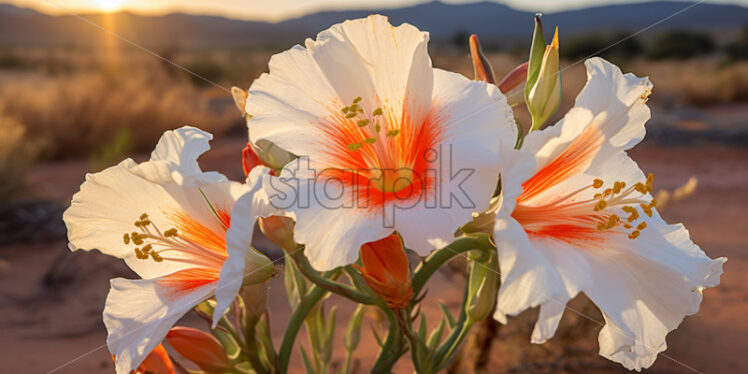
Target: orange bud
(386, 270)
(157, 362)
(250, 159)
(481, 66)
(516, 77)
(199, 347)
(279, 230)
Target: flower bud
(513, 83)
(272, 155)
(240, 99)
(482, 68)
(258, 268)
(279, 230)
(157, 361)
(255, 299)
(353, 333)
(543, 90)
(199, 347)
(483, 286)
(250, 159)
(386, 270)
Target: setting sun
(109, 5)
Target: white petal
(110, 201)
(181, 148)
(245, 265)
(478, 124)
(387, 66)
(105, 209)
(328, 222)
(646, 288)
(611, 102)
(138, 315)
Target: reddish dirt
(51, 300)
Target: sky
(275, 10)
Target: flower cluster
(362, 159)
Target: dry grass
(16, 156)
(75, 115)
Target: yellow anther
(370, 140)
(146, 248)
(618, 186)
(126, 238)
(633, 213)
(634, 234)
(650, 179)
(345, 109)
(362, 123)
(137, 240)
(641, 188)
(613, 220)
(607, 192)
(350, 115)
(377, 112)
(170, 232)
(626, 226)
(144, 216)
(647, 209)
(597, 183)
(600, 205)
(355, 146)
(393, 132)
(641, 226)
(139, 254)
(156, 257)
(357, 100)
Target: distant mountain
(19, 26)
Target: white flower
(392, 143)
(168, 220)
(577, 216)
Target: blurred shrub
(76, 115)
(738, 50)
(16, 155)
(621, 46)
(681, 44)
(697, 82)
(113, 151)
(206, 68)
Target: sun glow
(109, 5)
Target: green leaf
(445, 311)
(422, 329)
(230, 345)
(436, 335)
(307, 364)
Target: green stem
(391, 349)
(426, 269)
(251, 350)
(306, 304)
(328, 284)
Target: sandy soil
(51, 300)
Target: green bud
(273, 156)
(353, 332)
(543, 89)
(483, 286)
